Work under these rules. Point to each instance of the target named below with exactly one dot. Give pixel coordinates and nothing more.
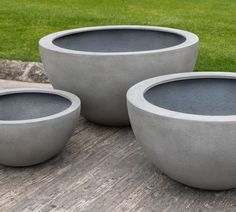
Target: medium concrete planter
(187, 125)
(35, 124)
(99, 64)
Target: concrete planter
(99, 64)
(187, 125)
(35, 124)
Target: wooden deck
(102, 169)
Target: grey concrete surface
(99, 64)
(197, 150)
(35, 124)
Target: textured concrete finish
(197, 150)
(35, 124)
(99, 64)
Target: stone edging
(22, 71)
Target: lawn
(24, 22)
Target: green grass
(24, 22)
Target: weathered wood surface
(4, 84)
(102, 169)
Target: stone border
(22, 71)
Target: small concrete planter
(35, 124)
(187, 125)
(99, 64)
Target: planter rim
(47, 41)
(75, 103)
(135, 96)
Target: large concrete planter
(35, 124)
(99, 64)
(187, 125)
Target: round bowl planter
(35, 124)
(99, 64)
(186, 123)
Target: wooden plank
(4, 84)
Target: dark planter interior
(119, 40)
(23, 106)
(206, 96)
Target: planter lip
(47, 41)
(75, 103)
(135, 96)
